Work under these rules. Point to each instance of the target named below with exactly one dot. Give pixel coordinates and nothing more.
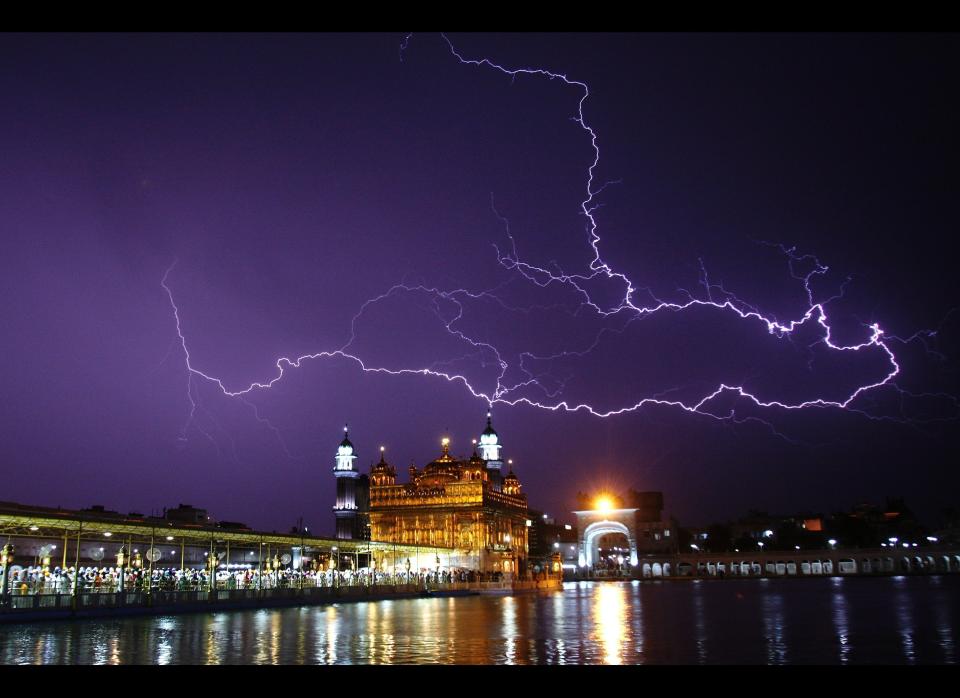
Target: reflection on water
(902, 620)
(775, 627)
(612, 620)
(840, 620)
(905, 619)
(700, 621)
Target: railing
(93, 601)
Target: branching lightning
(530, 391)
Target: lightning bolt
(629, 307)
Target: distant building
(547, 538)
(187, 514)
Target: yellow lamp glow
(603, 504)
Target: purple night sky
(289, 179)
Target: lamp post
(121, 559)
(6, 559)
(137, 563)
(507, 539)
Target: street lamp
(212, 562)
(832, 542)
(6, 559)
(121, 558)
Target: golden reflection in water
(115, 650)
(385, 631)
(211, 640)
(509, 612)
(610, 612)
(302, 625)
(559, 622)
(372, 632)
(330, 632)
(276, 628)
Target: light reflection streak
(165, 629)
(276, 628)
(905, 620)
(212, 639)
(841, 622)
(510, 629)
(774, 628)
(944, 627)
(700, 622)
(610, 611)
(260, 623)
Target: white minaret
(490, 444)
(490, 452)
(345, 509)
(345, 455)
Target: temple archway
(590, 536)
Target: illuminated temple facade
(467, 505)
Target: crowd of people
(57, 580)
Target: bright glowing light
(932, 539)
(832, 541)
(34, 528)
(169, 537)
(893, 540)
(107, 534)
(768, 533)
(603, 504)
(444, 441)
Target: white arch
(591, 534)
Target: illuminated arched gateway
(639, 524)
(464, 504)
